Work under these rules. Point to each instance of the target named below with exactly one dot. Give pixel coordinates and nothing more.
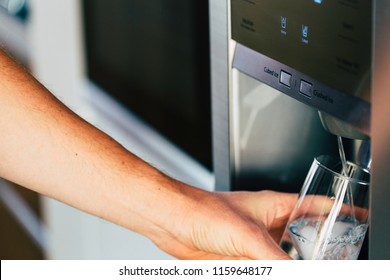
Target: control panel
(302, 87)
(318, 52)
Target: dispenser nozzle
(340, 128)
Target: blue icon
(305, 31)
(283, 21)
(318, 1)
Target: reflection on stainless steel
(275, 137)
(380, 191)
(256, 100)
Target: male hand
(235, 225)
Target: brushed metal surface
(220, 93)
(380, 191)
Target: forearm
(49, 149)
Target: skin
(47, 148)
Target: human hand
(235, 225)
(87, 169)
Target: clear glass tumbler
(330, 219)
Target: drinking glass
(330, 218)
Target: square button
(306, 88)
(285, 78)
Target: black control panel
(316, 51)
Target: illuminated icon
(318, 1)
(305, 31)
(283, 21)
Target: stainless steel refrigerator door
(380, 189)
